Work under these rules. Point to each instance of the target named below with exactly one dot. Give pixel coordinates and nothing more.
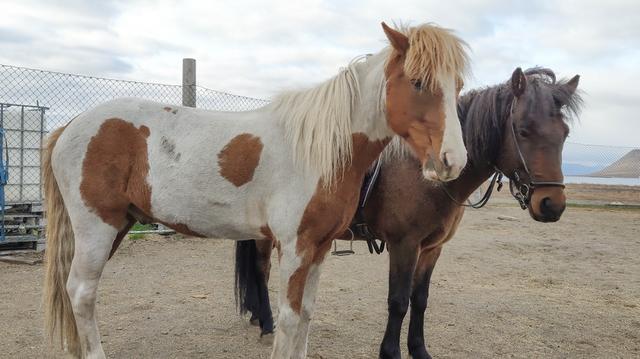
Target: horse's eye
(557, 102)
(417, 85)
(523, 133)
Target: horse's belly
(209, 213)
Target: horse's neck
(368, 115)
(470, 180)
(478, 172)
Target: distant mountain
(626, 167)
(574, 169)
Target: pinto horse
(517, 128)
(289, 172)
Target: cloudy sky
(257, 48)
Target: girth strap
(359, 226)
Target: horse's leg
(263, 263)
(419, 296)
(298, 284)
(403, 256)
(93, 242)
(308, 303)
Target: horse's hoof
(419, 354)
(388, 355)
(266, 338)
(254, 320)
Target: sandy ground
(501, 289)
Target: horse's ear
(398, 40)
(518, 82)
(572, 84)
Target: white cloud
(255, 48)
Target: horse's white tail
(60, 324)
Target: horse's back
(209, 172)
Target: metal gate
(23, 130)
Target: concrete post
(189, 82)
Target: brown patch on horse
(114, 172)
(329, 213)
(266, 232)
(239, 158)
(168, 109)
(264, 248)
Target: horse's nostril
(546, 207)
(551, 210)
(445, 160)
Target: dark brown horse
(517, 128)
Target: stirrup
(343, 252)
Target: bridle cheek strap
(521, 191)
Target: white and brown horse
(289, 172)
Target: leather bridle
(520, 190)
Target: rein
(497, 177)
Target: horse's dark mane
(484, 111)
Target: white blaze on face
(452, 143)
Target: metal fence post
(189, 82)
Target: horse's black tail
(247, 296)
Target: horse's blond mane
(395, 150)
(317, 121)
(434, 51)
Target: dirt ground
(502, 288)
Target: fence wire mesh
(29, 96)
(600, 161)
(67, 95)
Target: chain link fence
(30, 96)
(67, 95)
(612, 164)
(34, 102)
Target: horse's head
(533, 139)
(423, 79)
